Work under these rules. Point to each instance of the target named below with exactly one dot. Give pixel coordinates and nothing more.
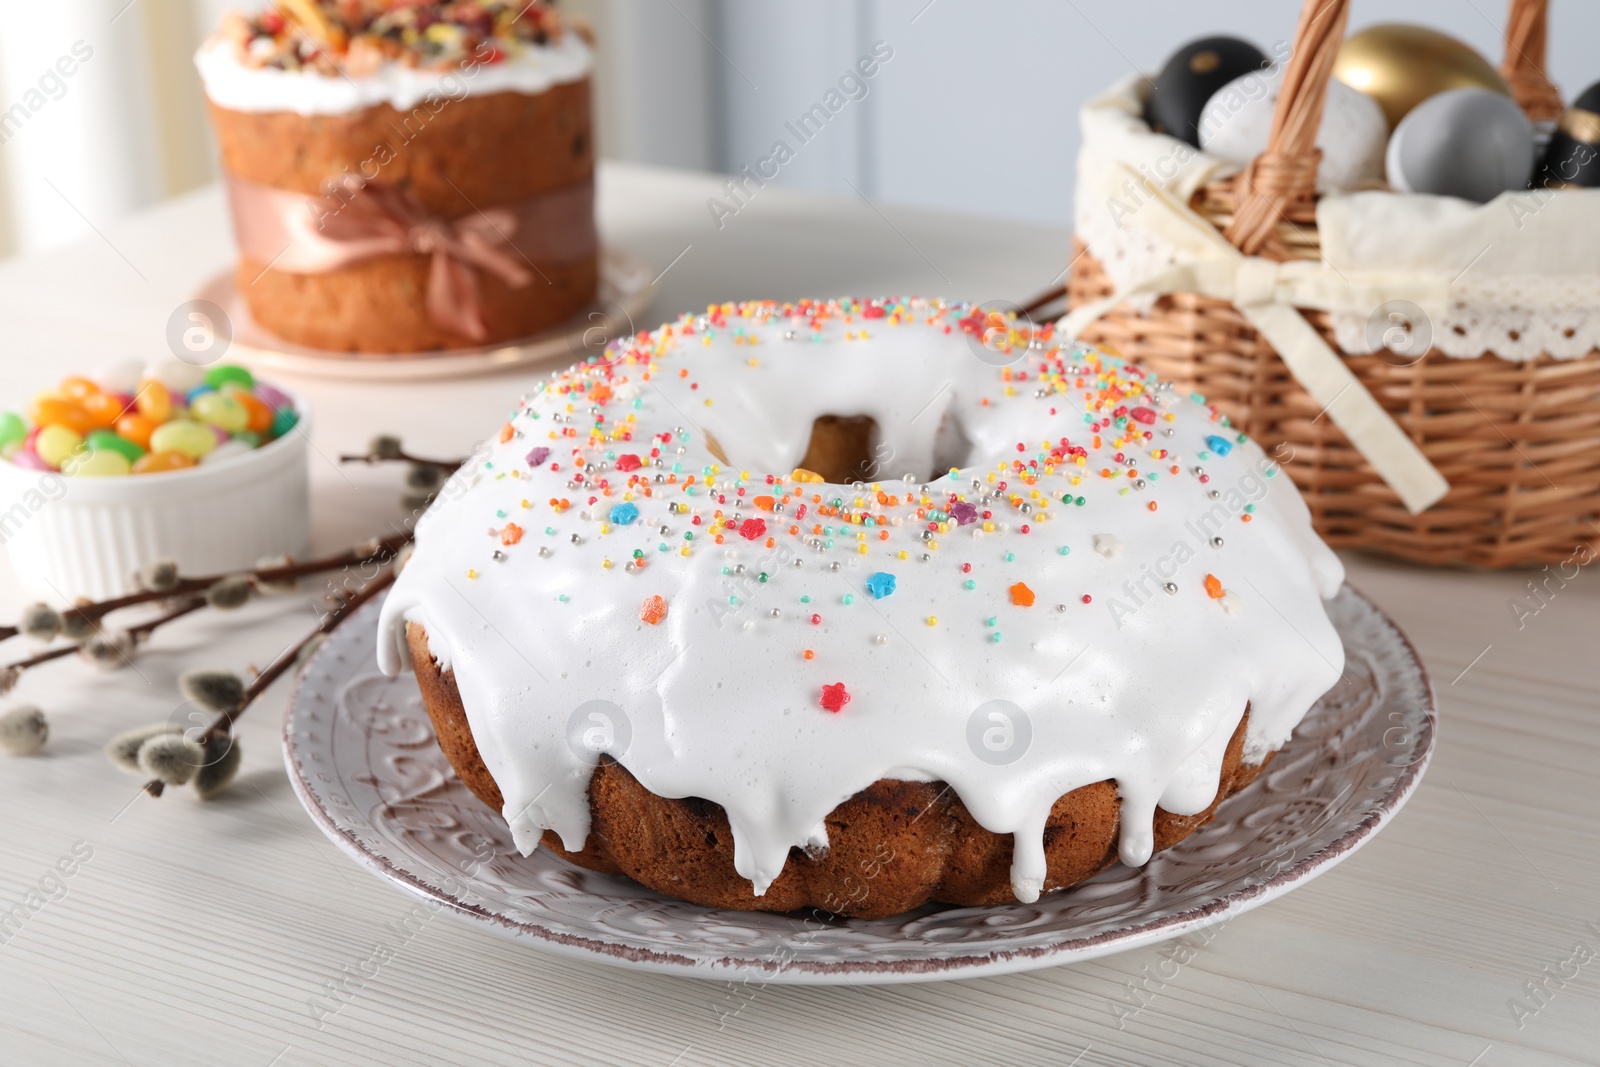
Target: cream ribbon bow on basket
(1268, 294)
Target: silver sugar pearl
(926, 556)
(834, 565)
(738, 568)
(663, 529)
(499, 555)
(775, 613)
(1213, 494)
(1171, 588)
(544, 550)
(1061, 607)
(790, 335)
(1216, 542)
(1138, 483)
(1027, 509)
(577, 540)
(881, 639)
(798, 563)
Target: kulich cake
(861, 605)
(406, 176)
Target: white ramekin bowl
(71, 537)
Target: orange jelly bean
(76, 388)
(54, 411)
(154, 402)
(103, 408)
(258, 412)
(137, 429)
(156, 462)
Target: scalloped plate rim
(933, 967)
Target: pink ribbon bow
(292, 232)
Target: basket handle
(1286, 173)
(1527, 32)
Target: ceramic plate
(624, 293)
(362, 758)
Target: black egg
(1191, 77)
(1572, 158)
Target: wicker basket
(1518, 442)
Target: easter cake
(861, 605)
(406, 176)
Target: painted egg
(1471, 143)
(1192, 76)
(1572, 158)
(1236, 121)
(1400, 66)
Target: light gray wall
(978, 109)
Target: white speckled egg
(1237, 119)
(1471, 143)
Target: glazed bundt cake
(859, 605)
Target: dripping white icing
(532, 69)
(1140, 685)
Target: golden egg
(1400, 66)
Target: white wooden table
(199, 933)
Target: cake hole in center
(849, 448)
(844, 449)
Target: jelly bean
(12, 428)
(29, 459)
(121, 376)
(229, 373)
(194, 394)
(56, 443)
(221, 411)
(154, 401)
(102, 463)
(137, 429)
(105, 440)
(77, 388)
(53, 411)
(251, 438)
(260, 415)
(276, 399)
(158, 462)
(176, 375)
(285, 420)
(190, 438)
(104, 408)
(224, 452)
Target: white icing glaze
(1139, 685)
(532, 69)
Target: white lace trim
(1514, 317)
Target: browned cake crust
(470, 154)
(892, 847)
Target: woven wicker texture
(1519, 443)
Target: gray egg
(1471, 143)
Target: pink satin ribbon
(303, 234)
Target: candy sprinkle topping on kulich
(1112, 436)
(351, 38)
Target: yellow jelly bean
(221, 411)
(154, 401)
(189, 438)
(102, 463)
(55, 443)
(156, 462)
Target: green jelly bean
(225, 373)
(106, 441)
